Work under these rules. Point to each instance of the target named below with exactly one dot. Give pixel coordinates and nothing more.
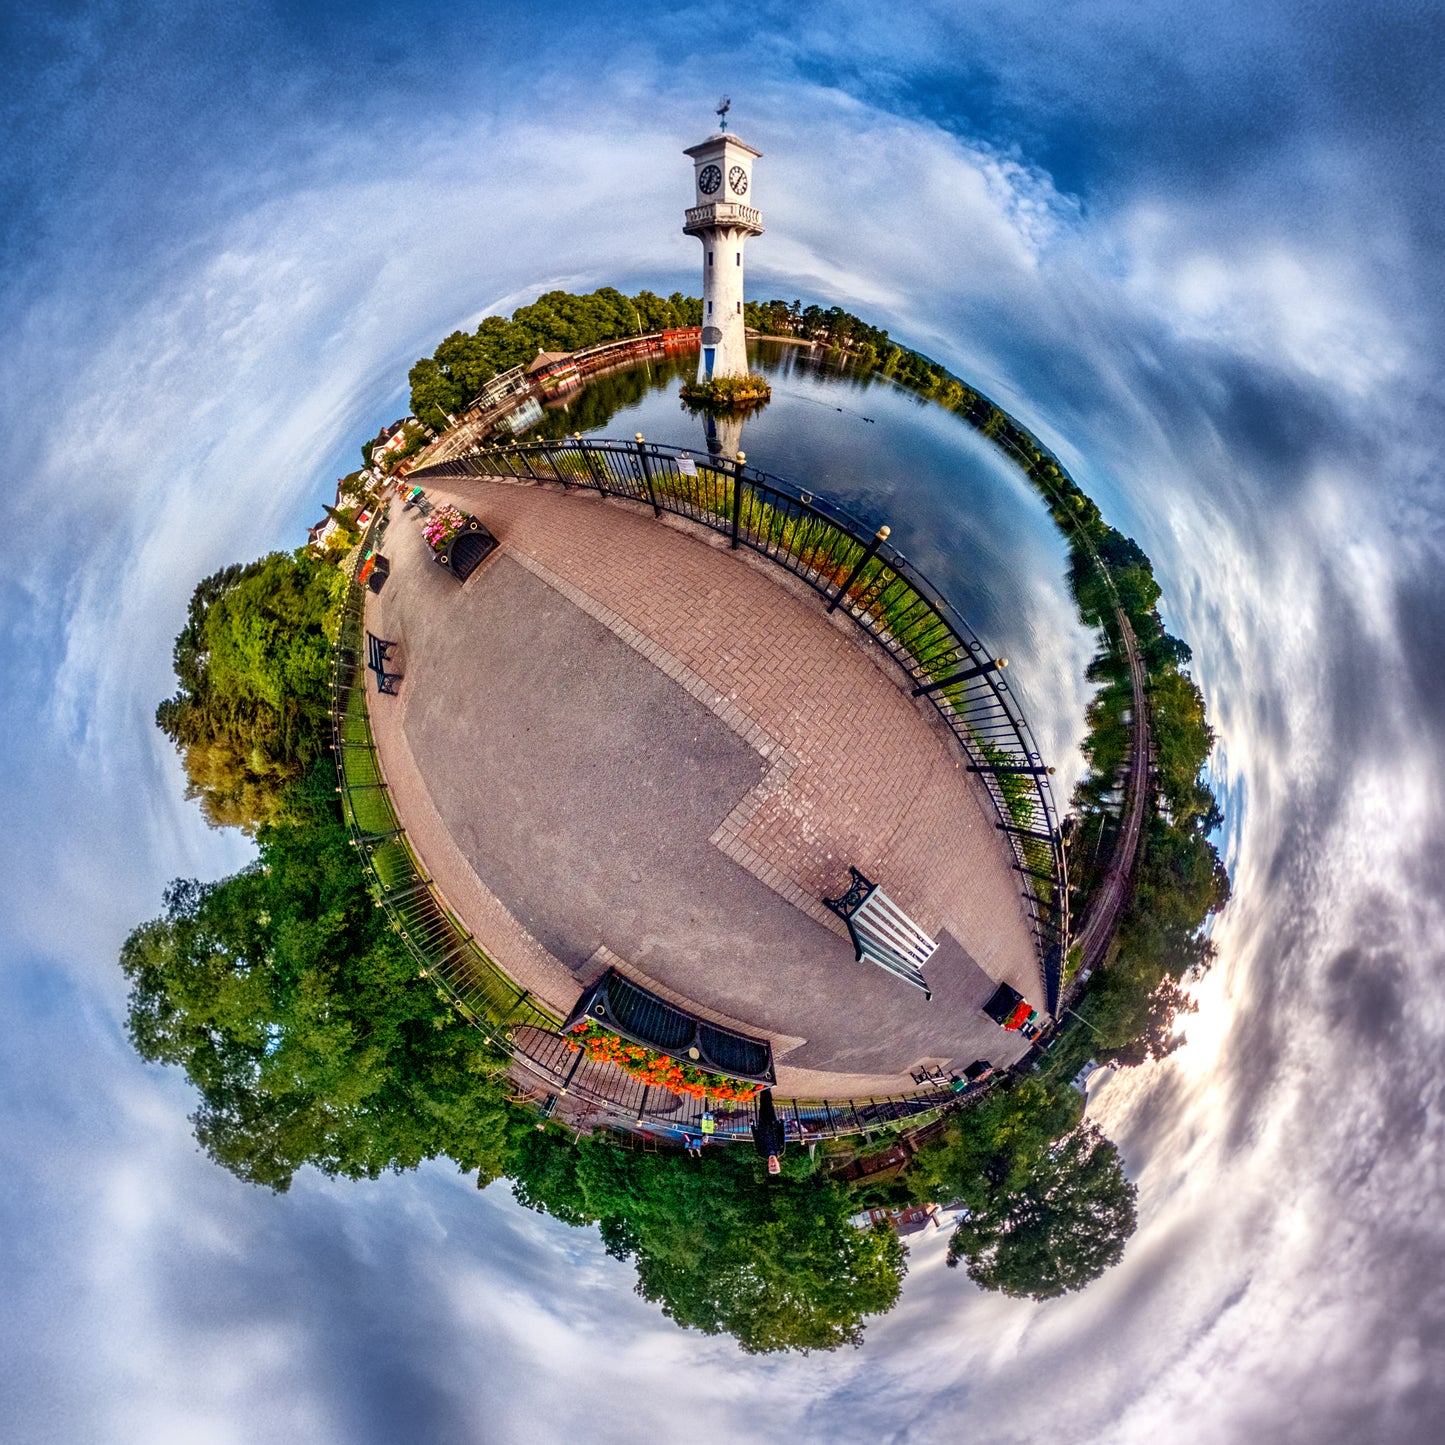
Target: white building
(723, 221)
(500, 388)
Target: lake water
(960, 512)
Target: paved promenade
(620, 740)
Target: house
(501, 388)
(389, 439)
(320, 533)
(554, 371)
(910, 1219)
(1091, 1076)
(394, 443)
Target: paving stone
(853, 771)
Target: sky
(1197, 247)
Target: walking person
(768, 1132)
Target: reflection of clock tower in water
(722, 220)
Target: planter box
(467, 550)
(632, 1012)
(1002, 1003)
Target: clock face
(709, 178)
(738, 180)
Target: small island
(727, 394)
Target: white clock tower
(722, 220)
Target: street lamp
(1084, 1021)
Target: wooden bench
(883, 933)
(378, 651)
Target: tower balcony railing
(723, 213)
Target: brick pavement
(872, 783)
(855, 772)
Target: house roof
(546, 360)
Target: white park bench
(883, 933)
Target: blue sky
(1198, 247)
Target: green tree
(254, 666)
(991, 1145)
(718, 1244)
(302, 1022)
(1061, 1225)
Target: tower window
(740, 258)
(709, 308)
(709, 258)
(740, 308)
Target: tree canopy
(254, 666)
(719, 1244)
(989, 1146)
(1058, 1222)
(301, 1020)
(1047, 1207)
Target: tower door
(709, 353)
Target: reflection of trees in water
(781, 362)
(604, 396)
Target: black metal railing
(542, 1059)
(859, 572)
(444, 950)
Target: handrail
(444, 950)
(827, 547)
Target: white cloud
(199, 424)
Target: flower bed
(443, 524)
(660, 1070)
(1021, 1015)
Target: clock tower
(723, 220)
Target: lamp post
(1083, 1021)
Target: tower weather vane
(723, 106)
